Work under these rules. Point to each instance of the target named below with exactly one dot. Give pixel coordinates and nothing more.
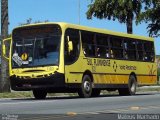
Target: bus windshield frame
(36, 46)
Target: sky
(65, 11)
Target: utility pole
(79, 12)
(4, 74)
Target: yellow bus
(61, 57)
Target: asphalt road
(64, 108)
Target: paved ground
(64, 108)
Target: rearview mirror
(6, 48)
(70, 45)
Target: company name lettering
(127, 67)
(98, 62)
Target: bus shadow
(77, 97)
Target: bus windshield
(36, 46)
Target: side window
(130, 49)
(88, 43)
(72, 35)
(116, 45)
(148, 51)
(140, 55)
(102, 49)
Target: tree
(29, 21)
(125, 11)
(4, 82)
(151, 16)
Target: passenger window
(130, 49)
(148, 51)
(140, 50)
(88, 43)
(73, 36)
(116, 50)
(102, 46)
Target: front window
(36, 46)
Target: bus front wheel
(86, 87)
(131, 88)
(39, 94)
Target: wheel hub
(133, 87)
(87, 86)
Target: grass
(28, 94)
(16, 95)
(157, 89)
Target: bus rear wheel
(39, 94)
(86, 87)
(131, 88)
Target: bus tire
(39, 94)
(86, 87)
(95, 92)
(131, 88)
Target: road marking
(29, 102)
(86, 113)
(134, 108)
(71, 113)
(121, 110)
(151, 107)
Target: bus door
(71, 54)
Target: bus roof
(98, 30)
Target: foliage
(125, 11)
(29, 21)
(151, 15)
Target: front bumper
(54, 81)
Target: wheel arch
(134, 74)
(88, 72)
